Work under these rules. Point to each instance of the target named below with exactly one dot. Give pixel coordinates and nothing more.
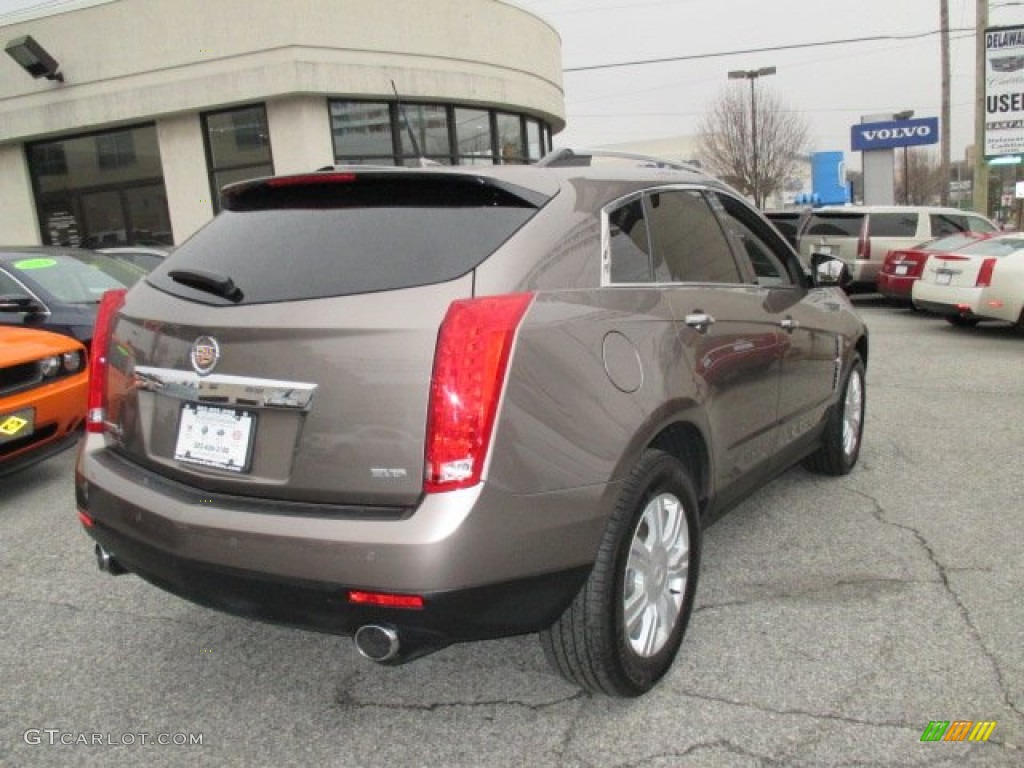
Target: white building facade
(164, 101)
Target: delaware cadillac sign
(1004, 91)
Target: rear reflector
(985, 273)
(385, 599)
(85, 520)
(470, 364)
(96, 414)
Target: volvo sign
(894, 133)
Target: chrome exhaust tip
(376, 643)
(107, 563)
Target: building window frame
(453, 155)
(245, 138)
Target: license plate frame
(227, 442)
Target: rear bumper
(496, 610)
(946, 300)
(895, 287)
(487, 563)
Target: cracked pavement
(835, 618)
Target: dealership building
(121, 119)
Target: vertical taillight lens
(470, 363)
(985, 273)
(864, 242)
(111, 302)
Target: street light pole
(752, 75)
(905, 115)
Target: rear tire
(840, 442)
(622, 632)
(961, 322)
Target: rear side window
(689, 244)
(630, 244)
(835, 224)
(286, 240)
(951, 223)
(892, 225)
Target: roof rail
(567, 158)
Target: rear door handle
(699, 321)
(789, 324)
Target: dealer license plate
(901, 269)
(215, 437)
(943, 278)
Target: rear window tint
(947, 224)
(835, 224)
(317, 240)
(892, 225)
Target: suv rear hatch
(834, 234)
(285, 351)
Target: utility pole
(980, 165)
(944, 122)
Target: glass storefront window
(510, 138)
(429, 124)
(361, 129)
(237, 146)
(473, 136)
(376, 132)
(533, 140)
(101, 189)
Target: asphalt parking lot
(836, 618)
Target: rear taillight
(111, 302)
(864, 242)
(470, 364)
(985, 273)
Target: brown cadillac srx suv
(425, 406)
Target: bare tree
(726, 145)
(921, 181)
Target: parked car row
(954, 263)
(48, 302)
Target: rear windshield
(997, 247)
(948, 243)
(892, 225)
(835, 224)
(358, 234)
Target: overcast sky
(831, 85)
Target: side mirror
(19, 303)
(829, 271)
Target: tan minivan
(862, 235)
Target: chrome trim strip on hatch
(225, 389)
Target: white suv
(863, 235)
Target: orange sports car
(43, 388)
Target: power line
(794, 46)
